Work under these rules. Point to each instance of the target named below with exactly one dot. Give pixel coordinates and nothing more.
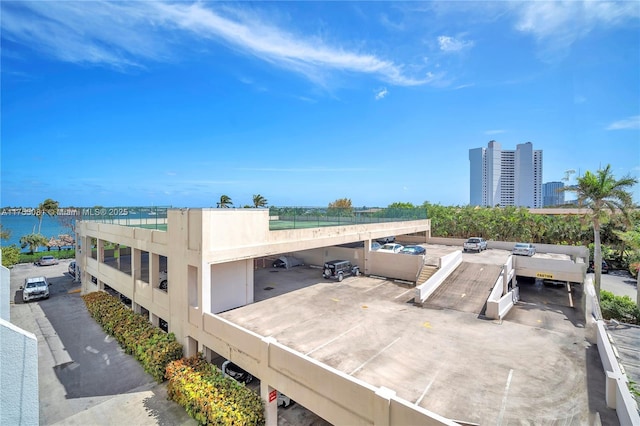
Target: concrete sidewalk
(145, 406)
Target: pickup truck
(475, 244)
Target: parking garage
(357, 351)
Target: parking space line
(419, 400)
(504, 398)
(373, 288)
(334, 339)
(402, 294)
(370, 359)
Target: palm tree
(602, 193)
(259, 201)
(48, 207)
(225, 202)
(34, 241)
(5, 234)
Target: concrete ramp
(466, 289)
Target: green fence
(315, 217)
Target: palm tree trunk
(597, 257)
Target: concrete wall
(552, 269)
(617, 392)
(394, 265)
(448, 264)
(333, 395)
(5, 291)
(19, 400)
(502, 297)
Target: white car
(35, 288)
(524, 249)
(390, 248)
(284, 400)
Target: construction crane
(567, 175)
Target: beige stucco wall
(210, 260)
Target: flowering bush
(210, 397)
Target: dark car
(413, 250)
(338, 269)
(605, 267)
(235, 372)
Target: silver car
(524, 249)
(35, 288)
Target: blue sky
(178, 103)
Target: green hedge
(151, 346)
(58, 254)
(620, 308)
(210, 397)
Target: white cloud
(628, 123)
(451, 44)
(381, 93)
(558, 24)
(124, 35)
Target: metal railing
(315, 217)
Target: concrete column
(136, 264)
(154, 271)
(100, 254)
(270, 397)
(190, 346)
(116, 254)
(268, 393)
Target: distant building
(505, 177)
(552, 194)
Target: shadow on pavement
(98, 365)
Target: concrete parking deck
(447, 361)
(466, 289)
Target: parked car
(375, 245)
(338, 269)
(164, 283)
(287, 262)
(476, 244)
(524, 249)
(47, 260)
(35, 288)
(236, 373)
(384, 240)
(605, 267)
(390, 248)
(284, 400)
(72, 268)
(413, 250)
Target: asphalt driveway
(84, 376)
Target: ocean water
(20, 225)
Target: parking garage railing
(315, 217)
(154, 217)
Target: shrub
(10, 255)
(620, 308)
(210, 397)
(151, 346)
(58, 254)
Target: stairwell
(426, 273)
